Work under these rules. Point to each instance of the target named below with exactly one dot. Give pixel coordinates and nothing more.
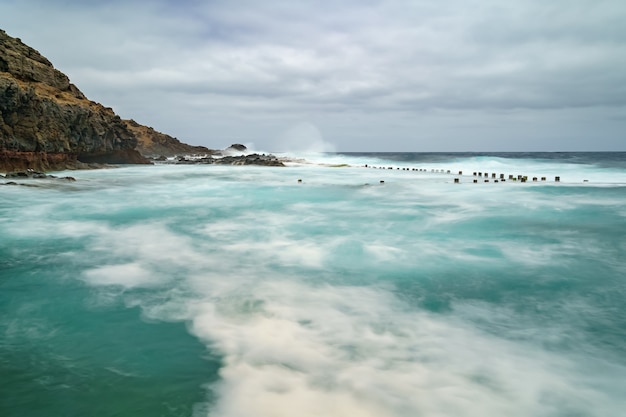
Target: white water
(301, 288)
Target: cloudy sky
(355, 75)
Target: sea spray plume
(304, 137)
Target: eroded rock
(46, 123)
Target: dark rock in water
(193, 160)
(237, 147)
(19, 174)
(32, 174)
(251, 159)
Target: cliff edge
(151, 143)
(46, 123)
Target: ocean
(345, 284)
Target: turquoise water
(237, 291)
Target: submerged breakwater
(206, 290)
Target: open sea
(238, 291)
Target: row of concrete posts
(495, 177)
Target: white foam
(262, 293)
(355, 351)
(128, 275)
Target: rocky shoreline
(249, 159)
(32, 174)
(47, 124)
(215, 158)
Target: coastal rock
(237, 147)
(11, 160)
(27, 64)
(251, 159)
(154, 144)
(31, 174)
(46, 123)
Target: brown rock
(151, 143)
(46, 122)
(118, 156)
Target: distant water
(232, 291)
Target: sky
(354, 75)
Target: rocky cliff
(46, 123)
(152, 143)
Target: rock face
(151, 143)
(46, 123)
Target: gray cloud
(369, 75)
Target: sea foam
(337, 295)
